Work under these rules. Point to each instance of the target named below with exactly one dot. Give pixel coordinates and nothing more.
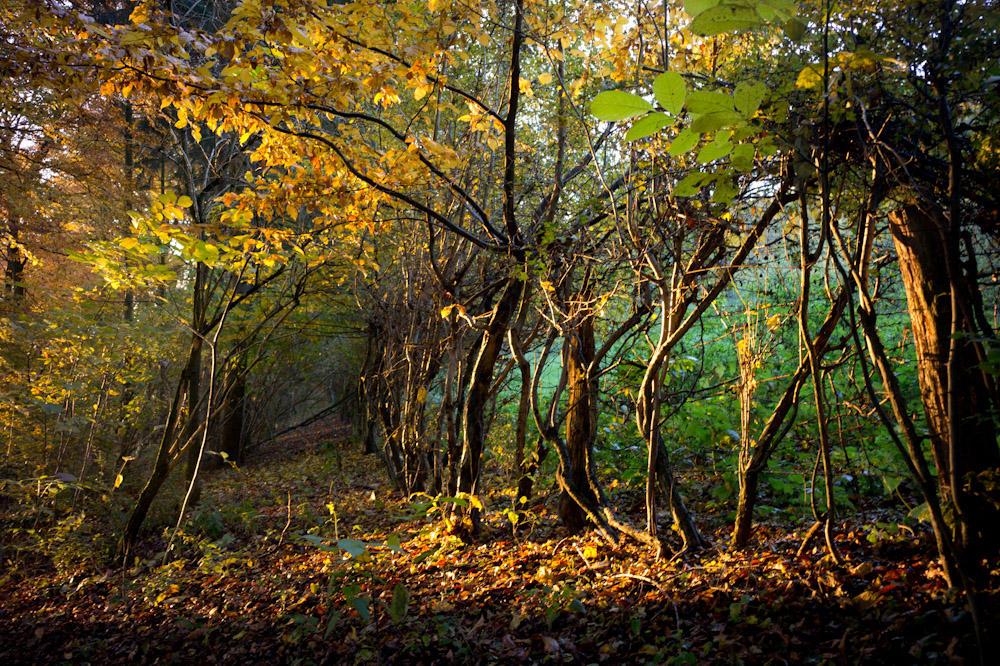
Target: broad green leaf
(701, 102)
(724, 18)
(400, 603)
(714, 151)
(393, 543)
(647, 125)
(361, 605)
(684, 142)
(921, 513)
(795, 29)
(691, 183)
(670, 91)
(617, 105)
(725, 190)
(784, 6)
(744, 131)
(742, 157)
(748, 96)
(184, 201)
(352, 547)
(695, 7)
(713, 121)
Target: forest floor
(260, 579)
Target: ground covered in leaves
(303, 556)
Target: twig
(288, 522)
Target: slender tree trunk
(162, 465)
(232, 420)
(14, 271)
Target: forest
(515, 331)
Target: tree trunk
(929, 295)
(161, 468)
(581, 422)
(479, 389)
(232, 419)
(14, 271)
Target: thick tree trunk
(745, 503)
(581, 422)
(929, 295)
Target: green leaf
(393, 543)
(684, 142)
(795, 29)
(647, 125)
(691, 183)
(617, 105)
(724, 18)
(921, 513)
(748, 97)
(725, 190)
(352, 547)
(695, 7)
(670, 91)
(742, 157)
(400, 603)
(713, 121)
(783, 6)
(714, 151)
(362, 606)
(701, 102)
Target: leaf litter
(306, 556)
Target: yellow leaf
(809, 78)
(118, 480)
(445, 311)
(422, 395)
(432, 5)
(590, 552)
(545, 78)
